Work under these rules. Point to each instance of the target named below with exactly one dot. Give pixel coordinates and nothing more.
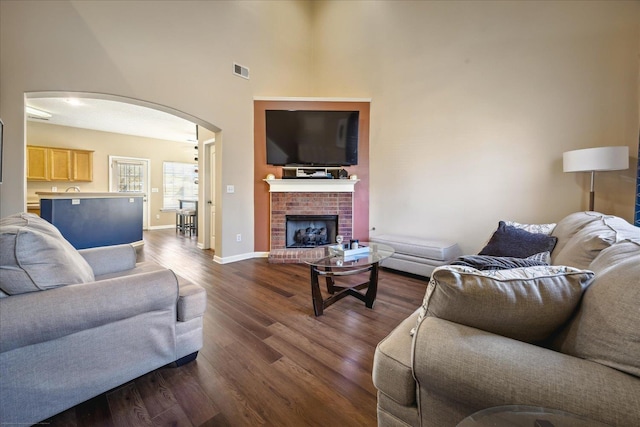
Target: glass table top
(368, 253)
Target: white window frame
(189, 178)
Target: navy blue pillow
(508, 241)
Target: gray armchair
(75, 324)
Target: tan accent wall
(474, 102)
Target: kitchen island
(89, 220)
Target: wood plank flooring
(266, 359)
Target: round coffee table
(526, 416)
(335, 264)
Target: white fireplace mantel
(311, 185)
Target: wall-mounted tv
(312, 138)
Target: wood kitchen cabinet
(59, 164)
(37, 163)
(82, 165)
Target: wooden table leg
(372, 290)
(330, 282)
(316, 296)
(339, 292)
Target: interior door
(131, 175)
(212, 197)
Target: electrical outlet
(54, 189)
(157, 216)
(238, 237)
(230, 189)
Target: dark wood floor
(266, 359)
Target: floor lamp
(596, 160)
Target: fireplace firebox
(310, 231)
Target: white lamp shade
(596, 159)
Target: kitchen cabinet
(37, 163)
(59, 164)
(82, 165)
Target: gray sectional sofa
(75, 324)
(564, 336)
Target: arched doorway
(124, 115)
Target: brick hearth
(294, 203)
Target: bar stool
(179, 221)
(186, 222)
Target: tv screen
(321, 138)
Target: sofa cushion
(606, 328)
(585, 245)
(569, 226)
(34, 256)
(526, 304)
(515, 242)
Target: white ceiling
(113, 116)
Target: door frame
(146, 215)
(206, 225)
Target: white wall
(475, 102)
(172, 53)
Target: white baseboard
(241, 257)
(161, 227)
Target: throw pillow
(34, 256)
(534, 228)
(568, 226)
(585, 245)
(527, 304)
(515, 242)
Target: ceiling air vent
(240, 71)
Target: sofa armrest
(479, 370)
(110, 259)
(192, 301)
(36, 317)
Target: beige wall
(105, 144)
(173, 53)
(475, 102)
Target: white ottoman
(417, 255)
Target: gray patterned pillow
(533, 228)
(543, 257)
(527, 304)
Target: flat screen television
(312, 138)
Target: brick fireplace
(285, 203)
